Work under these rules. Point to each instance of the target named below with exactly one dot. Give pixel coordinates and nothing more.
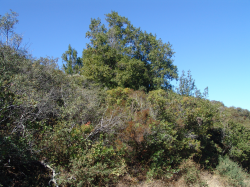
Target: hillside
(84, 127)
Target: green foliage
(185, 113)
(73, 63)
(159, 102)
(118, 95)
(237, 138)
(7, 23)
(97, 165)
(191, 173)
(232, 171)
(11, 63)
(164, 150)
(236, 115)
(18, 167)
(92, 136)
(187, 86)
(124, 56)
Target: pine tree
(73, 63)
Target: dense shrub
(237, 139)
(91, 136)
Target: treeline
(111, 115)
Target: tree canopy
(123, 55)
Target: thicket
(65, 129)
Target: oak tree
(123, 55)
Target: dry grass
(153, 183)
(212, 180)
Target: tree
(187, 86)
(73, 63)
(125, 56)
(7, 23)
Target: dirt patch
(154, 183)
(212, 180)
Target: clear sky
(210, 37)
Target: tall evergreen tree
(73, 63)
(122, 55)
(187, 86)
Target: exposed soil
(212, 180)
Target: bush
(237, 138)
(191, 172)
(97, 165)
(232, 171)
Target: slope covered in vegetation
(73, 128)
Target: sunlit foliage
(69, 130)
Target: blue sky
(210, 37)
